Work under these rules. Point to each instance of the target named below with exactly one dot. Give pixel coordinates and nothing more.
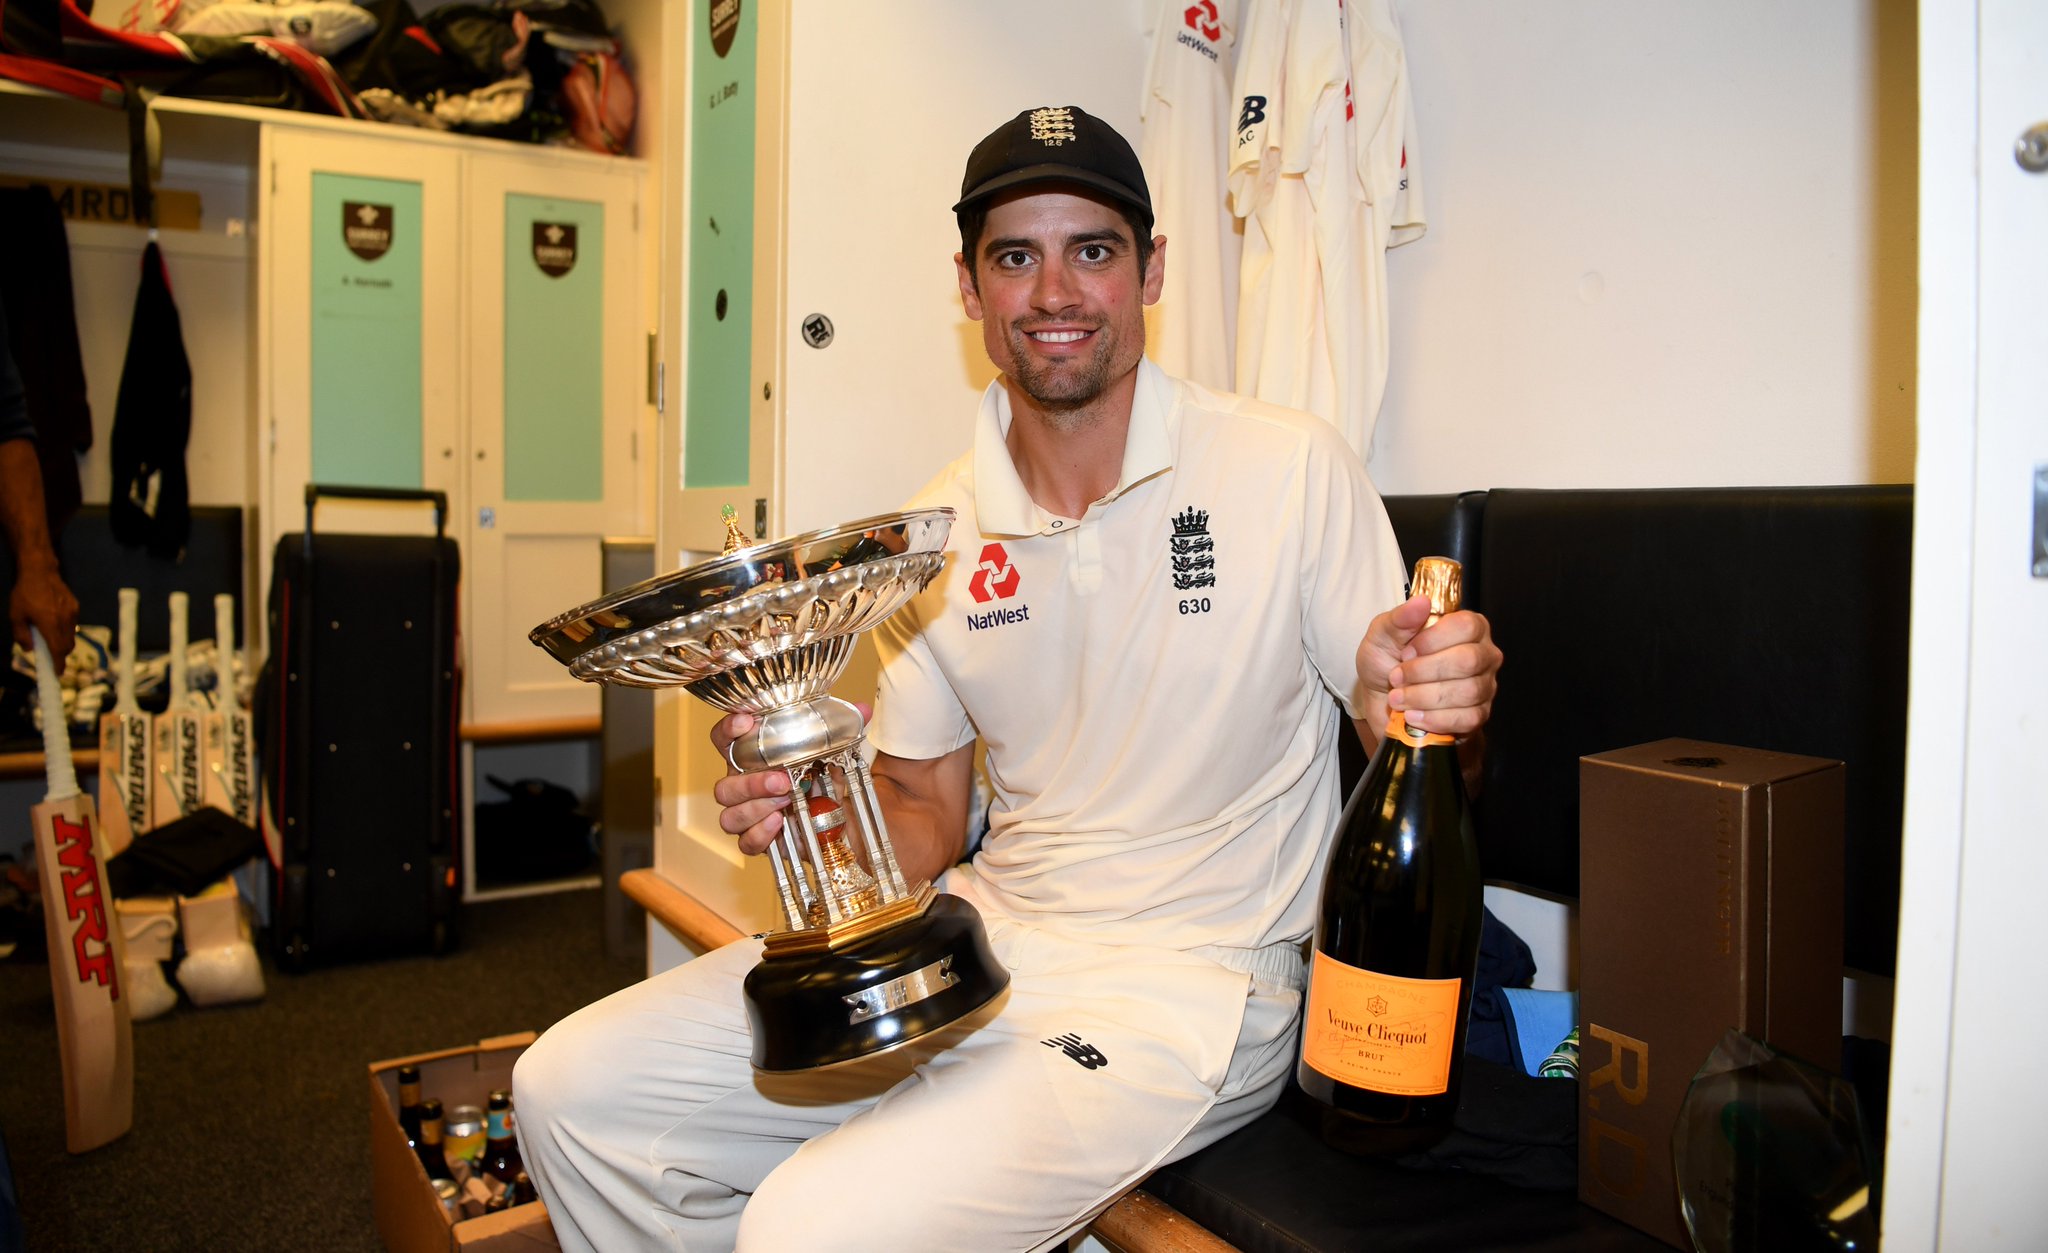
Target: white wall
(1669, 245)
(885, 102)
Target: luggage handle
(438, 499)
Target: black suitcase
(358, 728)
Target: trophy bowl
(865, 961)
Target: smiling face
(1054, 283)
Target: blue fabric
(1504, 962)
(1538, 1022)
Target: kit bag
(358, 735)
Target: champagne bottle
(1397, 938)
(501, 1149)
(409, 1104)
(429, 1147)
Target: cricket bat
(93, 1032)
(180, 733)
(230, 766)
(125, 742)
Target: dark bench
(1765, 617)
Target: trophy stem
(883, 848)
(791, 910)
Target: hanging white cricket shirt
(1325, 181)
(1367, 200)
(1291, 97)
(1192, 331)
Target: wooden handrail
(691, 919)
(533, 730)
(1142, 1223)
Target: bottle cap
(1443, 581)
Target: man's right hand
(752, 804)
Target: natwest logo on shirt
(1202, 19)
(995, 578)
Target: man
(40, 596)
(1192, 575)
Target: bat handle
(124, 682)
(180, 604)
(56, 736)
(224, 649)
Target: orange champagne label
(1380, 1032)
(1397, 727)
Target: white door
(359, 351)
(556, 370)
(1967, 1092)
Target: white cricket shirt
(1152, 681)
(1186, 112)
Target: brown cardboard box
(409, 1215)
(1710, 897)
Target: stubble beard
(1066, 393)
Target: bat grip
(180, 640)
(124, 681)
(62, 778)
(224, 650)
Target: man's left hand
(1441, 679)
(41, 598)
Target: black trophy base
(810, 1010)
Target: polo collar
(1001, 504)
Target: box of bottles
(411, 1216)
(1710, 898)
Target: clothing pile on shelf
(538, 71)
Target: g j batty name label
(1380, 1032)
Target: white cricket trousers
(645, 1127)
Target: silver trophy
(865, 960)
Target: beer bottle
(429, 1146)
(409, 1104)
(1397, 938)
(501, 1150)
(523, 1190)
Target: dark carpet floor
(252, 1121)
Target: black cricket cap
(1063, 145)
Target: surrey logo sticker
(1193, 551)
(554, 247)
(366, 228)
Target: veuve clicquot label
(1380, 1032)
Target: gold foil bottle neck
(735, 539)
(1443, 581)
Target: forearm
(924, 804)
(22, 513)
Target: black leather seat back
(1766, 617)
